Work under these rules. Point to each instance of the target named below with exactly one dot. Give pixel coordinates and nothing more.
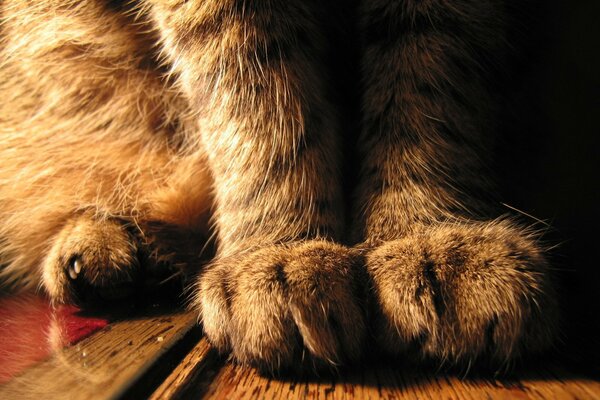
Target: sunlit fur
(90, 131)
(122, 122)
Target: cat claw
(77, 266)
(74, 269)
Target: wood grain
(104, 365)
(386, 382)
(192, 376)
(161, 355)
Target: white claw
(72, 273)
(77, 266)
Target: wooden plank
(385, 382)
(25, 323)
(106, 364)
(160, 355)
(193, 375)
(557, 382)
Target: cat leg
(446, 281)
(280, 288)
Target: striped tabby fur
(123, 122)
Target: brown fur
(453, 286)
(122, 123)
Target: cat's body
(103, 155)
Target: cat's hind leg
(90, 257)
(91, 135)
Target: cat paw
(280, 306)
(459, 293)
(91, 259)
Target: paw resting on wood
(459, 292)
(281, 304)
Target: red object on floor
(31, 329)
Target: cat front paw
(284, 306)
(91, 259)
(458, 293)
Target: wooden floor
(159, 353)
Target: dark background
(549, 156)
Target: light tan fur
(89, 126)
